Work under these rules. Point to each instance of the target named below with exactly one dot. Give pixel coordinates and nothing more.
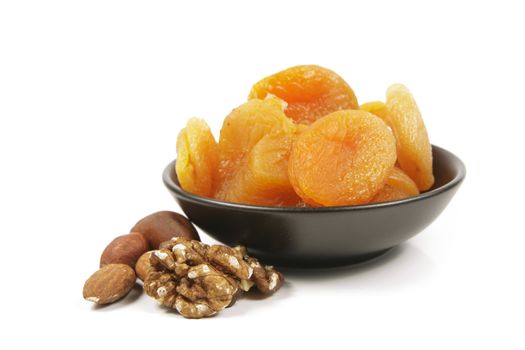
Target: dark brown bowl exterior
(322, 237)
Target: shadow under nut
(125, 249)
(163, 226)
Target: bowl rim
(173, 186)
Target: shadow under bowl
(327, 236)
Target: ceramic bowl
(322, 237)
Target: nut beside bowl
(327, 236)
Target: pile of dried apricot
(302, 139)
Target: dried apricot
(398, 185)
(197, 158)
(299, 128)
(377, 108)
(414, 151)
(342, 159)
(310, 91)
(388, 194)
(398, 179)
(254, 147)
(271, 154)
(245, 126)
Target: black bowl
(320, 237)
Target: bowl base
(308, 263)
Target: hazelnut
(125, 249)
(163, 226)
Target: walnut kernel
(200, 280)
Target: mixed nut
(180, 272)
(199, 280)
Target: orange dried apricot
(414, 151)
(398, 179)
(254, 147)
(310, 91)
(244, 127)
(197, 158)
(377, 108)
(343, 158)
(299, 128)
(398, 185)
(388, 194)
(271, 154)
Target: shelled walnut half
(199, 280)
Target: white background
(93, 94)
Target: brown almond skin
(109, 284)
(163, 226)
(125, 249)
(143, 265)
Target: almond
(109, 284)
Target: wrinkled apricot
(398, 185)
(254, 147)
(271, 154)
(377, 108)
(197, 158)
(414, 151)
(310, 91)
(343, 158)
(398, 179)
(388, 194)
(299, 128)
